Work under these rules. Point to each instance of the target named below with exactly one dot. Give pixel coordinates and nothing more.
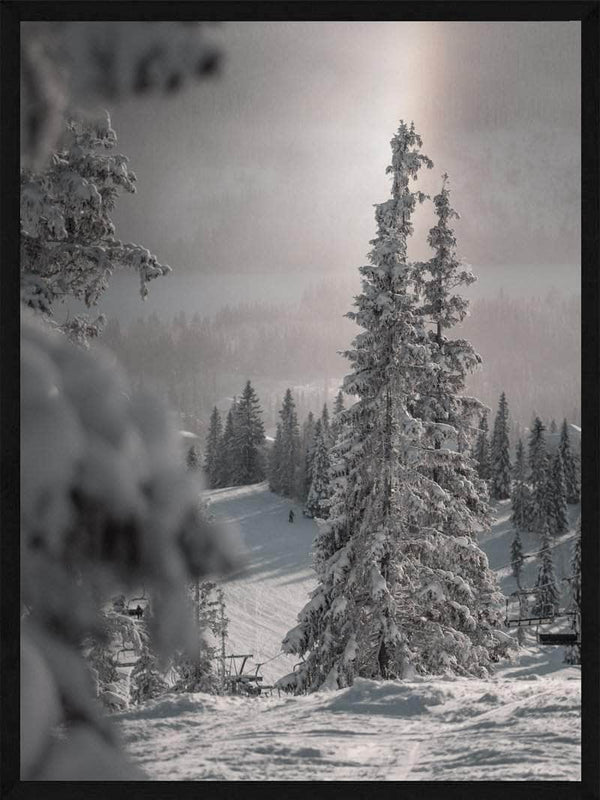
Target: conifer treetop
(68, 241)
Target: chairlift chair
(240, 682)
(564, 639)
(123, 659)
(538, 614)
(136, 606)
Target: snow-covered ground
(263, 600)
(523, 724)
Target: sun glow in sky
(275, 166)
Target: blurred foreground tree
(66, 65)
(106, 505)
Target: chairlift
(525, 607)
(564, 639)
(241, 682)
(136, 606)
(124, 659)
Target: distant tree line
(235, 452)
(530, 348)
(299, 463)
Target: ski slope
(263, 599)
(522, 724)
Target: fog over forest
(196, 359)
(258, 188)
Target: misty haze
(300, 401)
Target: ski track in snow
(522, 724)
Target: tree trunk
(383, 660)
(387, 452)
(438, 336)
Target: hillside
(522, 724)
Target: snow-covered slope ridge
(264, 599)
(522, 724)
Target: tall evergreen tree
(212, 452)
(397, 562)
(317, 504)
(448, 423)
(290, 446)
(570, 468)
(481, 451)
(520, 495)
(275, 462)
(499, 454)
(338, 404)
(227, 452)
(556, 498)
(307, 447)
(336, 421)
(325, 419)
(573, 653)
(248, 439)
(516, 557)
(538, 468)
(553, 427)
(548, 594)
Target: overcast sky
(275, 165)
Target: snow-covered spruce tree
(68, 242)
(538, 478)
(290, 446)
(335, 424)
(520, 495)
(553, 428)
(307, 447)
(248, 440)
(402, 583)
(556, 498)
(326, 619)
(456, 500)
(275, 462)
(213, 449)
(573, 653)
(500, 468)
(317, 504)
(568, 459)
(481, 451)
(227, 451)
(548, 595)
(328, 629)
(516, 557)
(325, 422)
